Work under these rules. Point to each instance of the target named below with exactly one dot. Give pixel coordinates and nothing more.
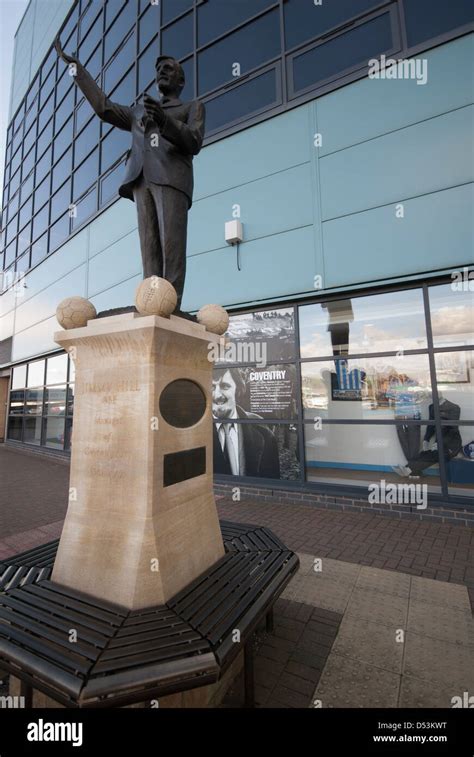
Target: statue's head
(170, 78)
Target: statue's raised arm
(64, 56)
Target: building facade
(351, 294)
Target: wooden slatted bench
(122, 657)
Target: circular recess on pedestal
(182, 403)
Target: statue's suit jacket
(166, 160)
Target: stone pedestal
(142, 521)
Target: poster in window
(261, 337)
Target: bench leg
(269, 621)
(249, 683)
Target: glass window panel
(17, 140)
(90, 12)
(380, 388)
(69, 33)
(62, 170)
(24, 239)
(22, 263)
(68, 443)
(252, 46)
(49, 62)
(47, 86)
(216, 17)
(188, 68)
(179, 37)
(149, 25)
(94, 64)
(19, 377)
(60, 201)
(366, 455)
(55, 400)
(43, 165)
(34, 402)
(12, 207)
(112, 8)
(39, 249)
(352, 48)
(40, 221)
(31, 116)
(59, 232)
(241, 102)
(28, 164)
(36, 373)
(84, 113)
(56, 369)
(86, 175)
(32, 92)
(425, 20)
(63, 140)
(45, 138)
(11, 229)
(85, 208)
(121, 62)
(455, 380)
(125, 92)
(452, 311)
(41, 194)
(109, 184)
(26, 212)
(235, 451)
(29, 142)
(46, 113)
(114, 145)
(16, 160)
(27, 187)
(120, 28)
(10, 253)
(304, 20)
(70, 399)
(64, 84)
(15, 426)
(86, 141)
(19, 117)
(173, 8)
(92, 40)
(54, 433)
(14, 184)
(377, 323)
(268, 393)
(17, 397)
(459, 465)
(146, 66)
(64, 110)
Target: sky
(11, 13)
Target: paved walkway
(384, 620)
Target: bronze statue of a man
(166, 134)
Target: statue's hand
(65, 57)
(154, 110)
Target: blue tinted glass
(119, 65)
(29, 140)
(425, 19)
(86, 174)
(43, 165)
(27, 187)
(23, 263)
(60, 201)
(69, 33)
(120, 28)
(10, 254)
(85, 208)
(44, 139)
(114, 145)
(83, 113)
(31, 115)
(304, 20)
(86, 141)
(24, 238)
(110, 183)
(47, 86)
(188, 91)
(251, 46)
(254, 95)
(45, 113)
(91, 10)
(16, 160)
(40, 222)
(177, 39)
(173, 8)
(87, 47)
(64, 110)
(63, 139)
(14, 184)
(149, 25)
(218, 16)
(17, 139)
(13, 206)
(94, 64)
(146, 66)
(59, 232)
(64, 85)
(125, 92)
(32, 92)
(39, 249)
(62, 170)
(26, 212)
(352, 48)
(42, 194)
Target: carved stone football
(215, 318)
(74, 312)
(155, 296)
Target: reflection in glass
(36, 373)
(460, 467)
(19, 377)
(378, 323)
(17, 401)
(56, 369)
(256, 450)
(380, 388)
(32, 430)
(362, 454)
(15, 426)
(54, 433)
(455, 378)
(260, 337)
(452, 313)
(34, 402)
(55, 400)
